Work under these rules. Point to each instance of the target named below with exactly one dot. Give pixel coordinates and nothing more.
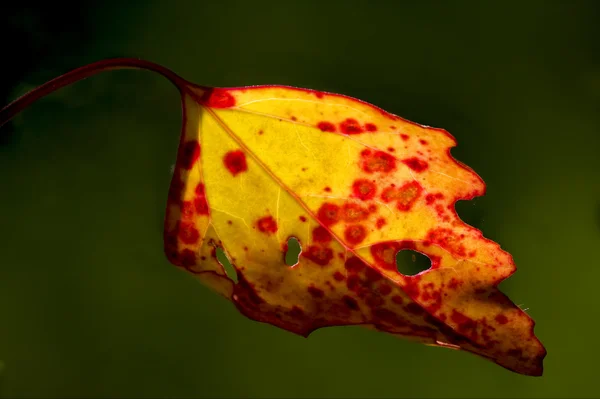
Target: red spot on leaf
(377, 161)
(187, 210)
(200, 200)
(316, 292)
(353, 213)
(355, 234)
(354, 265)
(338, 276)
(385, 289)
(302, 218)
(235, 162)
(329, 214)
(187, 258)
(320, 234)
(424, 142)
(380, 223)
(350, 302)
(447, 239)
(405, 196)
(318, 254)
(350, 126)
(327, 189)
(404, 136)
(267, 225)
(384, 254)
(190, 152)
(326, 126)
(416, 164)
(501, 319)
(363, 189)
(217, 98)
(188, 233)
(397, 299)
(370, 127)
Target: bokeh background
(90, 306)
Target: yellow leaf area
(354, 185)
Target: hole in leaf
(292, 255)
(224, 261)
(410, 262)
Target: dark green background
(90, 306)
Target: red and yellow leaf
(354, 185)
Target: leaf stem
(18, 105)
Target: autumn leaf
(259, 167)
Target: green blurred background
(90, 306)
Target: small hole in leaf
(410, 262)
(224, 261)
(292, 255)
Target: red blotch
(377, 161)
(454, 283)
(338, 276)
(353, 213)
(188, 233)
(384, 254)
(235, 161)
(316, 292)
(327, 189)
(374, 301)
(404, 136)
(501, 319)
(296, 312)
(370, 127)
(267, 224)
(372, 275)
(385, 289)
(217, 98)
(187, 210)
(409, 193)
(380, 223)
(319, 255)
(319, 94)
(447, 239)
(355, 234)
(350, 302)
(187, 258)
(424, 142)
(326, 126)
(397, 299)
(350, 126)
(429, 199)
(406, 195)
(416, 164)
(320, 234)
(354, 265)
(352, 282)
(190, 152)
(363, 189)
(294, 118)
(466, 325)
(302, 218)
(391, 149)
(260, 132)
(200, 200)
(329, 214)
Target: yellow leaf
(354, 185)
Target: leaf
(354, 185)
